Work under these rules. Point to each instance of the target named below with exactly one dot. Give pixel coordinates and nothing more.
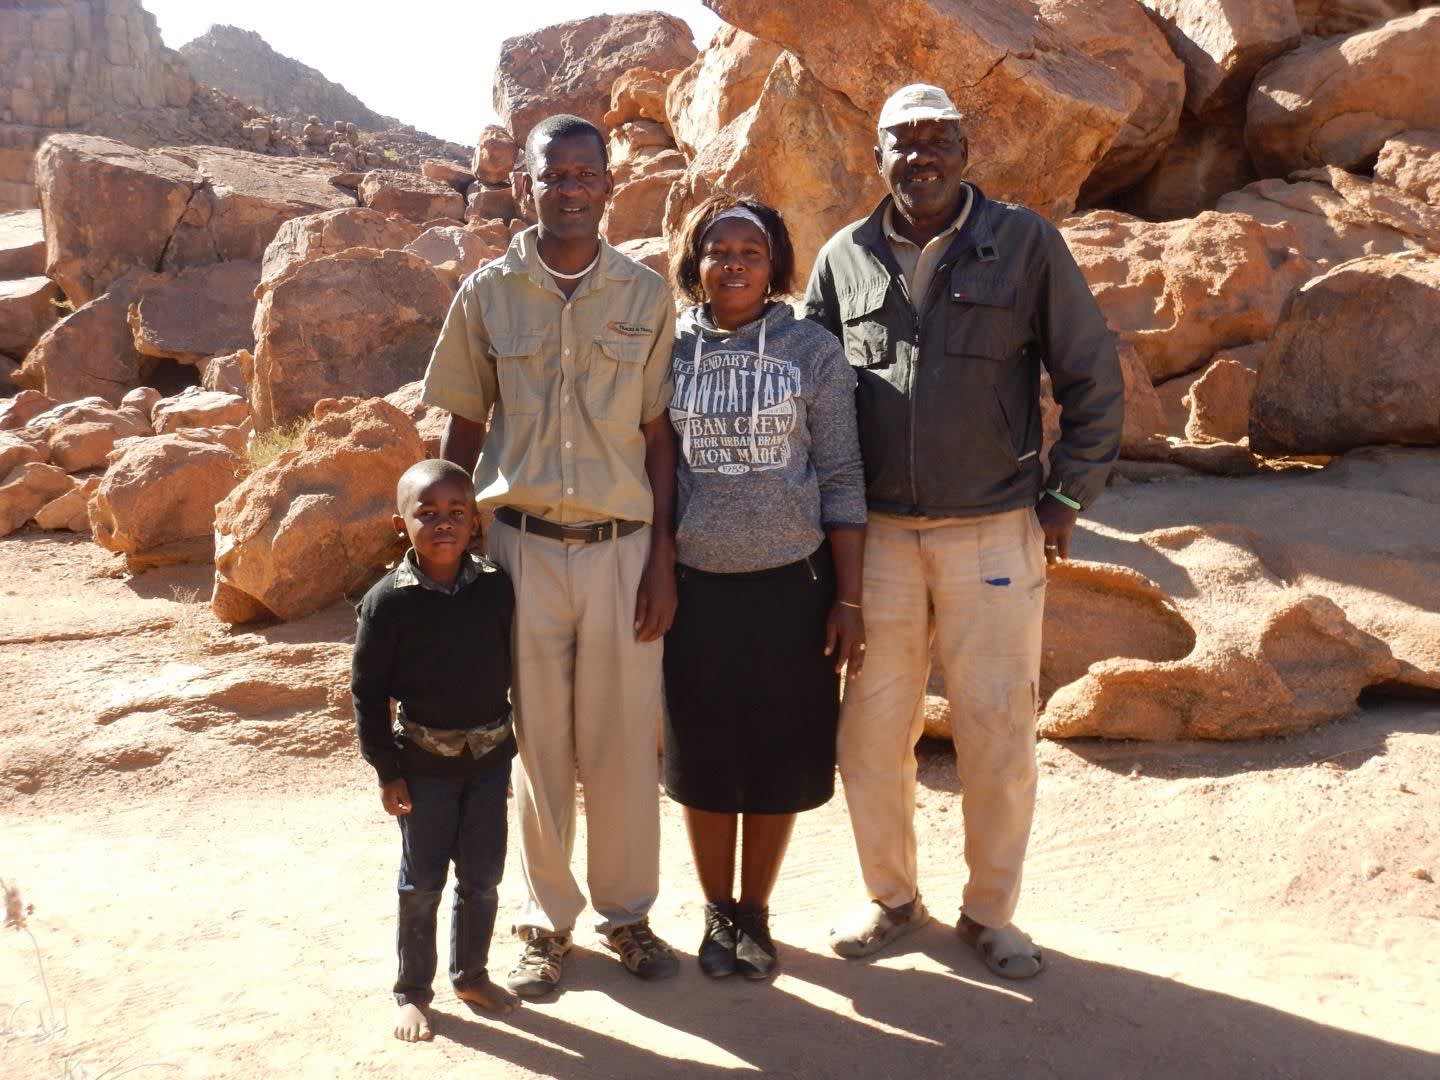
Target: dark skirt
(752, 701)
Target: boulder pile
(228, 369)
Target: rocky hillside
(241, 63)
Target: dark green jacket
(949, 386)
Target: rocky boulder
(1179, 291)
(637, 204)
(1223, 45)
(725, 80)
(314, 524)
(195, 407)
(156, 502)
(19, 410)
(412, 197)
(305, 239)
(1410, 162)
(226, 373)
(90, 352)
(453, 251)
(22, 244)
(1220, 403)
(27, 310)
(490, 204)
(362, 321)
(69, 512)
(496, 153)
(1327, 18)
(201, 312)
(428, 420)
(20, 448)
(26, 489)
(1352, 362)
(78, 435)
(1202, 163)
(1336, 101)
(639, 94)
(1042, 113)
(1121, 36)
(570, 67)
(817, 193)
(652, 251)
(446, 172)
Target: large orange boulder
(1410, 162)
(410, 195)
(22, 243)
(636, 208)
(1202, 162)
(765, 151)
(496, 152)
(1180, 291)
(156, 502)
(1352, 362)
(314, 524)
(361, 321)
(1327, 18)
(1120, 35)
(201, 312)
(453, 251)
(1041, 113)
(92, 351)
(1336, 101)
(570, 67)
(305, 239)
(195, 407)
(639, 94)
(1223, 45)
(1220, 401)
(725, 80)
(25, 489)
(27, 310)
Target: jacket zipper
(910, 395)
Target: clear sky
(427, 62)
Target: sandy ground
(212, 880)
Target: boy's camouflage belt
(452, 742)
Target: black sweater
(445, 657)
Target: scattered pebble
(1405, 789)
(1213, 857)
(1421, 874)
(1135, 771)
(1372, 870)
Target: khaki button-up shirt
(571, 381)
(917, 266)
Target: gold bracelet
(846, 603)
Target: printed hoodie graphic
(734, 409)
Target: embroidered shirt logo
(630, 328)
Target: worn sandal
(1006, 950)
(876, 926)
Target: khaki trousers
(587, 701)
(977, 585)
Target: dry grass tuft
(16, 910)
(266, 446)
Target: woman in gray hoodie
(770, 536)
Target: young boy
(434, 636)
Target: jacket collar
(409, 575)
(976, 234)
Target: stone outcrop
(1223, 45)
(496, 153)
(413, 197)
(446, 172)
(428, 420)
(361, 320)
(314, 524)
(724, 80)
(203, 311)
(639, 94)
(1336, 101)
(1179, 291)
(314, 236)
(1352, 362)
(453, 251)
(1410, 162)
(1327, 18)
(90, 352)
(78, 435)
(26, 489)
(1120, 35)
(156, 503)
(1220, 403)
(642, 186)
(1043, 114)
(243, 64)
(19, 410)
(20, 448)
(1201, 164)
(571, 66)
(817, 193)
(27, 309)
(22, 244)
(69, 511)
(196, 407)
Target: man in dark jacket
(949, 303)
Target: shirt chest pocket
(982, 317)
(863, 332)
(519, 369)
(615, 379)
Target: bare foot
(489, 997)
(412, 1025)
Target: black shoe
(754, 951)
(717, 947)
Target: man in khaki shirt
(568, 341)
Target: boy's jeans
(459, 820)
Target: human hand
(395, 797)
(1056, 521)
(656, 599)
(845, 638)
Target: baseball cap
(918, 101)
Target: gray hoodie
(769, 455)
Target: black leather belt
(553, 530)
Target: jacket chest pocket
(864, 333)
(615, 381)
(519, 369)
(982, 318)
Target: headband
(743, 213)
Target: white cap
(918, 101)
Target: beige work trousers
(587, 699)
(977, 585)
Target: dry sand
(212, 878)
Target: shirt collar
(887, 220)
(522, 257)
(409, 575)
